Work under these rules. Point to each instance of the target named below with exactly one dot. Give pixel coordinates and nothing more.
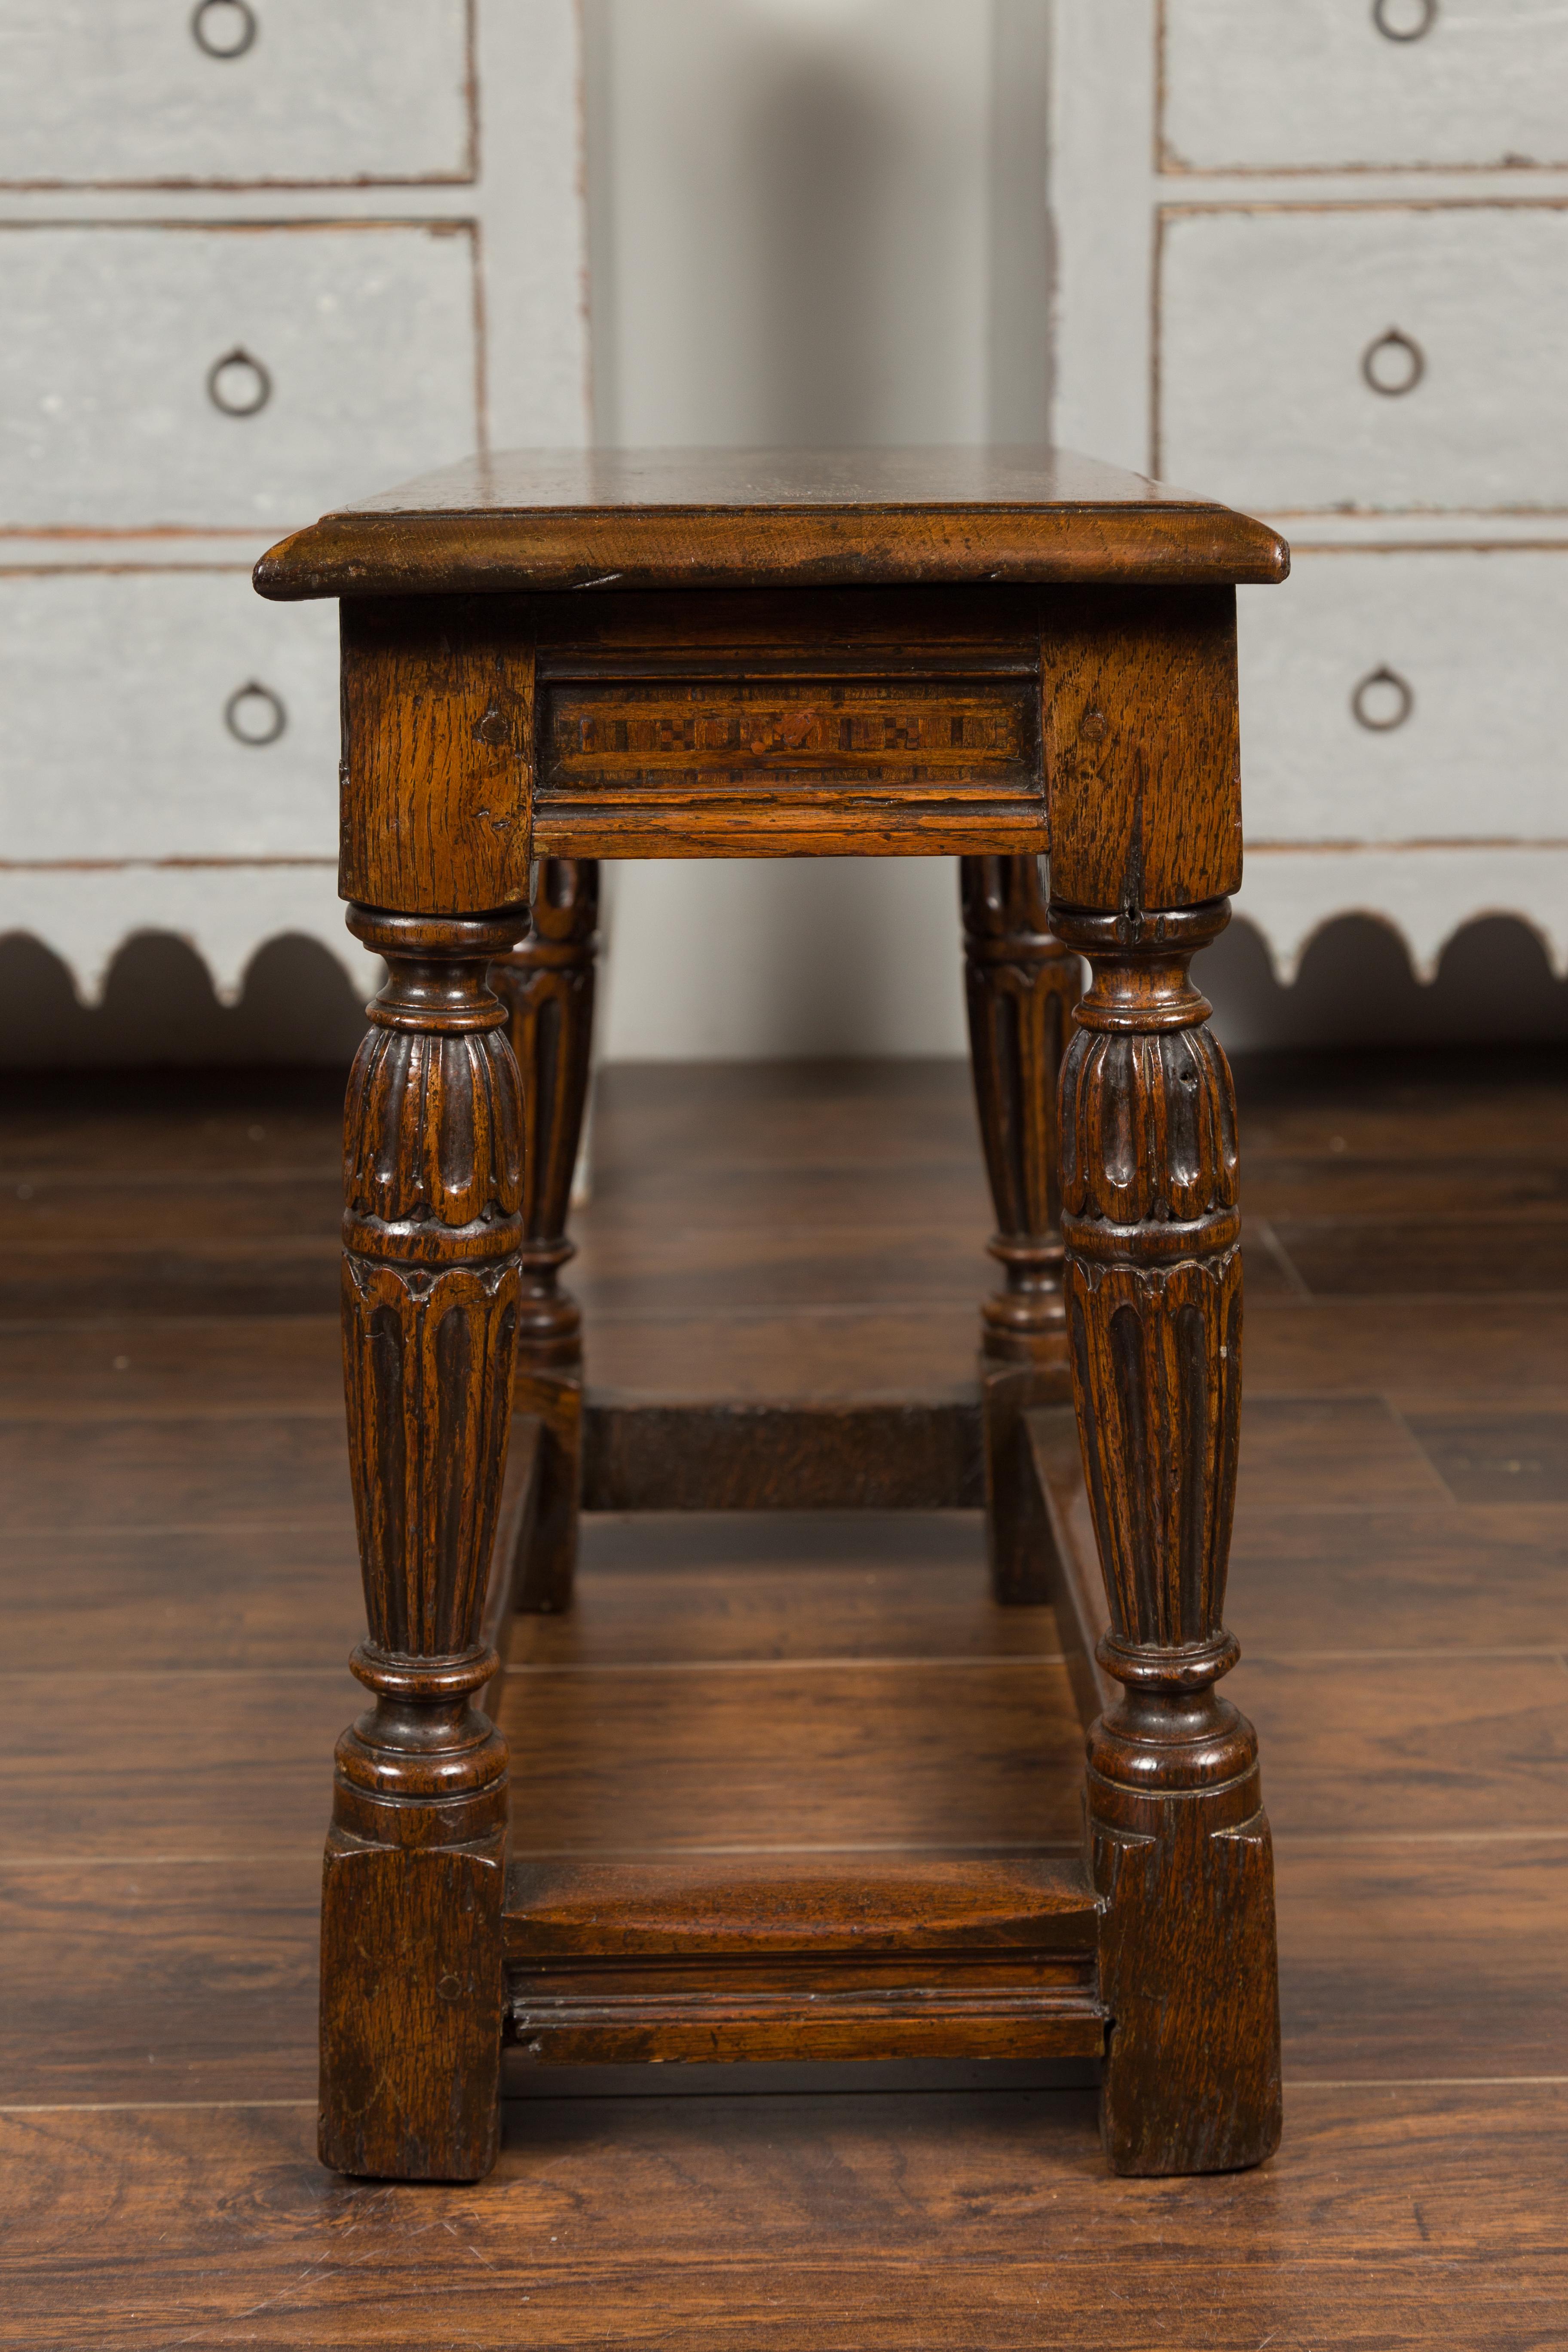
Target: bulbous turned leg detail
(547, 986)
(1021, 986)
(1180, 1843)
(411, 1950)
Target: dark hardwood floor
(180, 1594)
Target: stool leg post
(1021, 986)
(547, 986)
(1179, 1842)
(411, 1893)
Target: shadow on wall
(822, 152)
(1356, 989)
(788, 212)
(298, 1006)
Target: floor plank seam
(1424, 2081)
(62, 1857)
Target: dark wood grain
(680, 1269)
(547, 986)
(1403, 1961)
(172, 1123)
(84, 1285)
(1076, 1584)
(1442, 1743)
(1142, 748)
(1021, 987)
(760, 1584)
(1327, 1186)
(636, 1759)
(826, 766)
(1343, 1452)
(482, 731)
(45, 1215)
(109, 1475)
(1410, 1103)
(202, 1978)
(1151, 1279)
(661, 519)
(735, 1121)
(1369, 1257)
(184, 1765)
(810, 1352)
(557, 1910)
(914, 1456)
(861, 723)
(1390, 2219)
(411, 1990)
(437, 759)
(164, 1597)
(1420, 1859)
(516, 1521)
(1434, 1349)
(837, 1957)
(179, 1367)
(1407, 1577)
(1501, 1458)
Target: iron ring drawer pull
(1404, 701)
(1422, 27)
(231, 400)
(267, 720)
(1415, 364)
(238, 14)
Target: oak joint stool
(1014, 656)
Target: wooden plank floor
(180, 1593)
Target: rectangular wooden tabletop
(550, 520)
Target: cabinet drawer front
(359, 366)
(1303, 85)
(105, 92)
(828, 765)
(129, 730)
(1463, 736)
(1269, 322)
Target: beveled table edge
(550, 550)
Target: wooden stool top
(542, 520)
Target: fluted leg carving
(547, 986)
(1152, 1289)
(1021, 986)
(411, 1957)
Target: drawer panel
(1478, 698)
(1269, 321)
(1303, 85)
(359, 367)
(732, 767)
(116, 92)
(123, 734)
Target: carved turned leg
(547, 986)
(1021, 986)
(411, 1950)
(1180, 1843)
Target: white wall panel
(1477, 641)
(115, 742)
(365, 332)
(104, 91)
(1298, 85)
(1265, 319)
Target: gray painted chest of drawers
(1314, 253)
(250, 255)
